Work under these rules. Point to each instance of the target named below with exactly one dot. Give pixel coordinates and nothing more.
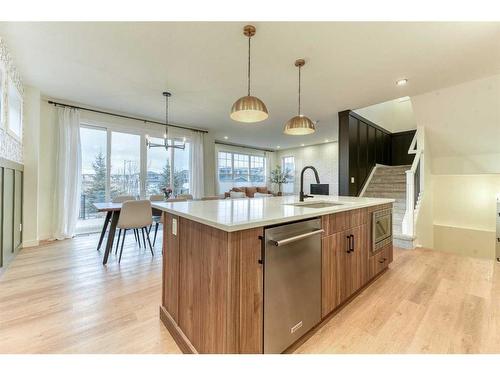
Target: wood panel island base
(213, 268)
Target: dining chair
(160, 221)
(121, 199)
(135, 215)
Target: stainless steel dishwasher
(292, 282)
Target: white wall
(394, 115)
(324, 157)
(462, 125)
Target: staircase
(390, 182)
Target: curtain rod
(124, 116)
(243, 146)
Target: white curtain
(68, 173)
(196, 167)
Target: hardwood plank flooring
(58, 298)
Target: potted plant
(280, 177)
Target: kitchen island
(214, 269)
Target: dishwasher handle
(288, 240)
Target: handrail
(413, 188)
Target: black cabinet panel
(353, 156)
(363, 164)
(362, 144)
(399, 147)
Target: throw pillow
(237, 194)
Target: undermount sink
(315, 204)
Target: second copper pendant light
(300, 124)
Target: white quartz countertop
(236, 214)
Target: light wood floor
(58, 298)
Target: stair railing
(414, 182)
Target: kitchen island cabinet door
(344, 266)
(333, 271)
(357, 261)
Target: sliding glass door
(158, 169)
(125, 164)
(94, 177)
(116, 162)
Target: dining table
(112, 211)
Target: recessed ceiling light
(302, 145)
(402, 82)
(226, 137)
(278, 146)
(326, 140)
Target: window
(158, 169)
(119, 163)
(125, 164)
(257, 171)
(288, 164)
(168, 169)
(181, 169)
(235, 169)
(15, 114)
(94, 177)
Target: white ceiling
(125, 66)
(394, 115)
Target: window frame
(10, 85)
(143, 156)
(292, 182)
(249, 161)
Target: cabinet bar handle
(352, 246)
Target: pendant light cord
(166, 118)
(299, 89)
(249, 65)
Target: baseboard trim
(179, 337)
(30, 243)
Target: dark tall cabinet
(362, 144)
(11, 197)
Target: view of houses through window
(162, 169)
(288, 164)
(235, 169)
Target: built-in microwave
(381, 228)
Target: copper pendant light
(300, 124)
(249, 108)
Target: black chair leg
(123, 241)
(143, 237)
(138, 237)
(118, 242)
(156, 232)
(149, 242)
